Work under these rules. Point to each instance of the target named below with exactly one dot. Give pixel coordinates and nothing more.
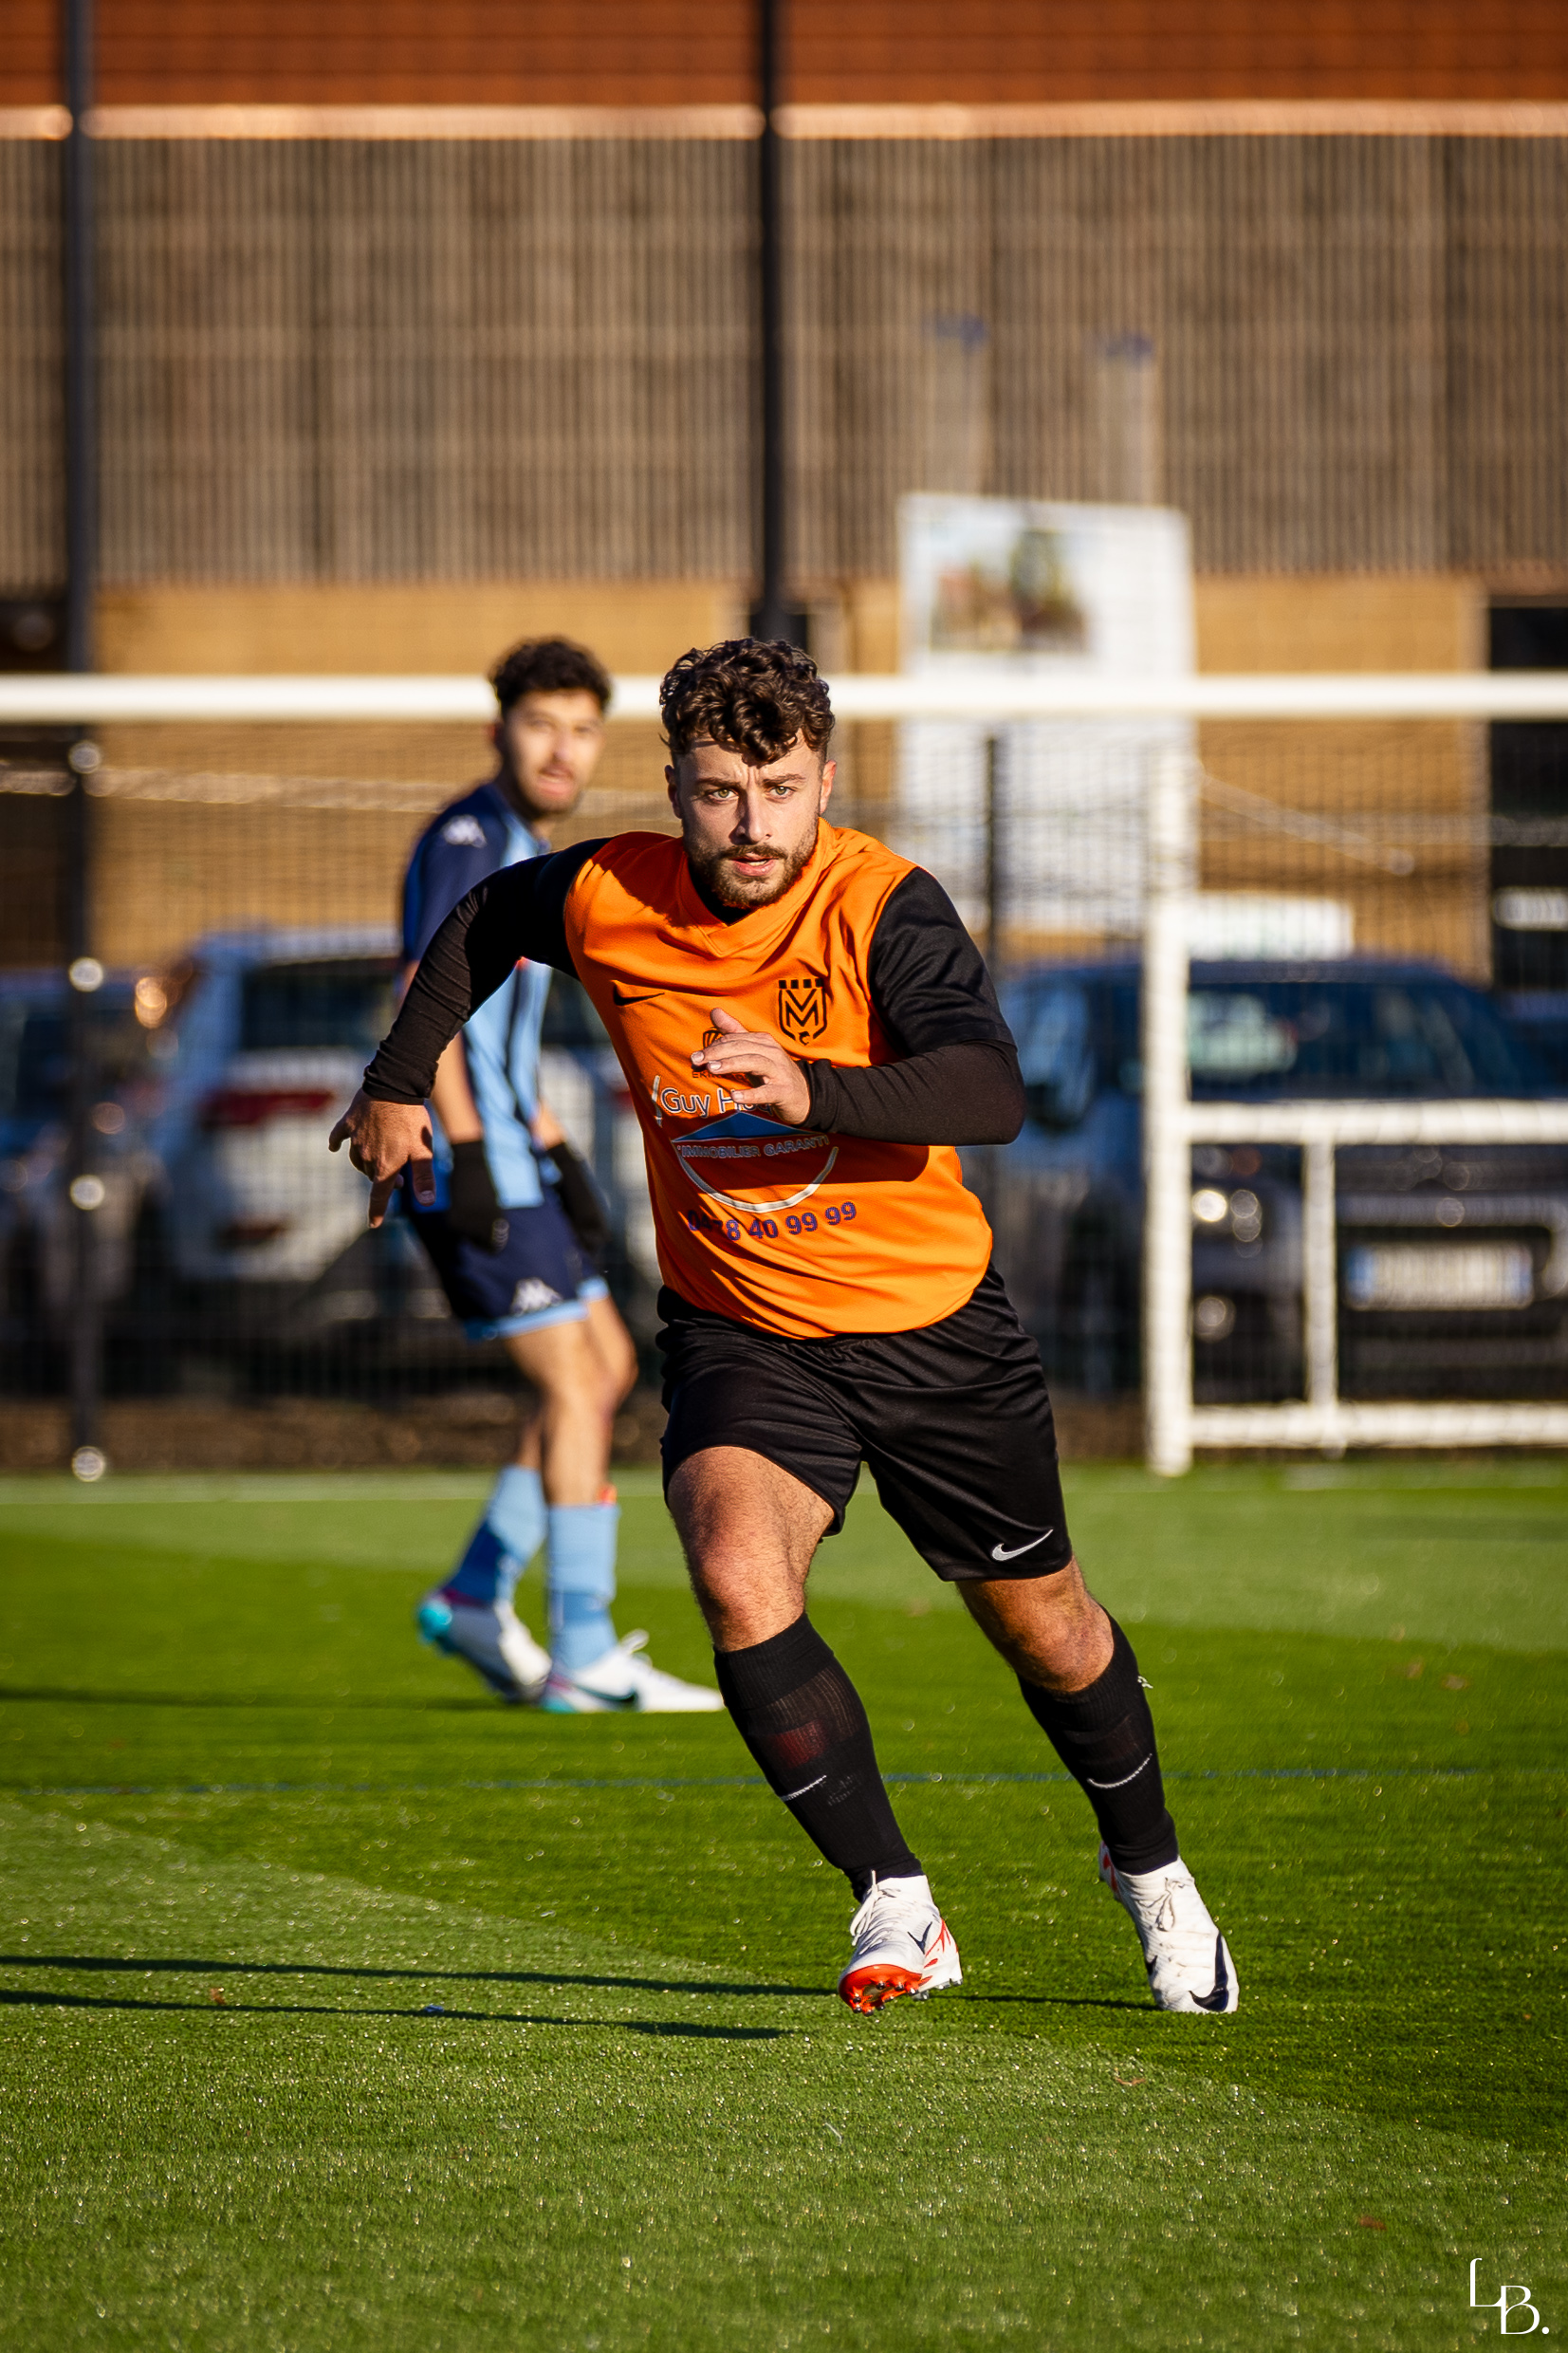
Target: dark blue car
(1453, 1264)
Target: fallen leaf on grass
(1370, 2222)
(1417, 1666)
(1456, 1682)
(1127, 2083)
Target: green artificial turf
(343, 2008)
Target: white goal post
(1172, 1123)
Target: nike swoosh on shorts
(1012, 1552)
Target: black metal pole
(773, 618)
(81, 387)
(85, 1192)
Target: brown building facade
(380, 393)
(672, 52)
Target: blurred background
(1032, 338)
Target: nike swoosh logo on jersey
(646, 996)
(998, 1553)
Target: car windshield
(1351, 1037)
(1258, 1038)
(344, 1002)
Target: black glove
(472, 1209)
(579, 1199)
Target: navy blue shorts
(540, 1275)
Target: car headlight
(1246, 1216)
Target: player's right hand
(384, 1138)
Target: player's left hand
(757, 1073)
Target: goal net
(1286, 959)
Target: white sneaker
(902, 1945)
(621, 1679)
(493, 1640)
(1189, 1962)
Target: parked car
(1479, 1305)
(37, 1269)
(260, 1232)
(227, 1232)
(1539, 1019)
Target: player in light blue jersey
(514, 1234)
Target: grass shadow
(67, 1694)
(38, 1998)
(83, 1962)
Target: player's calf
(1104, 1734)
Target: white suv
(273, 1032)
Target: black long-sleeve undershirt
(957, 1081)
(967, 1093)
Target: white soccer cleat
(622, 1680)
(493, 1640)
(901, 1945)
(1189, 1962)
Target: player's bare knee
(744, 1602)
(1050, 1630)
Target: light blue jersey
(470, 840)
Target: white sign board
(999, 586)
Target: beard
(714, 872)
(566, 790)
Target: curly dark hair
(749, 696)
(548, 666)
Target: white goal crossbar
(97, 699)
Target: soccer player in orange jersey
(808, 1034)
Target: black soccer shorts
(955, 1421)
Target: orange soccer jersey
(800, 1232)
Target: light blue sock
(581, 1572)
(505, 1541)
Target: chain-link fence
(459, 359)
(169, 1206)
(1360, 900)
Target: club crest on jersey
(802, 1007)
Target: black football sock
(801, 1717)
(1105, 1736)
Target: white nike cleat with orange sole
(1189, 1962)
(901, 1945)
(493, 1640)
